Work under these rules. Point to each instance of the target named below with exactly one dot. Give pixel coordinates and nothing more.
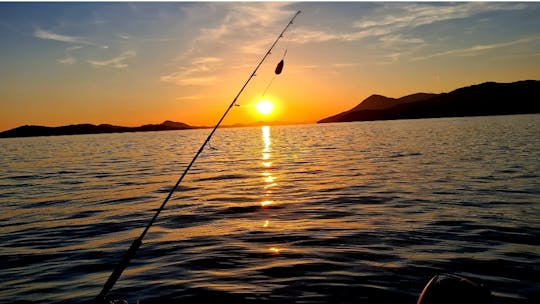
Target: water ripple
(335, 213)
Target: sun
(265, 107)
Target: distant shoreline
(486, 99)
(241, 125)
(82, 129)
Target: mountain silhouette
(27, 131)
(488, 98)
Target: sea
(359, 212)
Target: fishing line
(276, 73)
(278, 67)
(268, 86)
(121, 266)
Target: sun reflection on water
(269, 180)
(268, 176)
(274, 250)
(266, 138)
(266, 203)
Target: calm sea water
(362, 212)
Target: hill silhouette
(488, 98)
(27, 131)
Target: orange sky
(138, 63)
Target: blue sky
(135, 63)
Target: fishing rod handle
(118, 270)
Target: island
(27, 131)
(77, 129)
(490, 98)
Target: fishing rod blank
(121, 266)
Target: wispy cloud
(201, 65)
(247, 18)
(48, 35)
(118, 62)
(415, 15)
(179, 79)
(191, 97)
(246, 28)
(346, 64)
(197, 73)
(478, 49)
(401, 41)
(79, 41)
(396, 18)
(206, 60)
(68, 60)
(303, 35)
(394, 29)
(249, 29)
(124, 36)
(73, 48)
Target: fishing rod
(121, 266)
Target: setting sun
(265, 107)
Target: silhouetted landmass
(27, 131)
(490, 98)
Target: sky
(138, 63)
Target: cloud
(192, 97)
(124, 36)
(200, 65)
(206, 60)
(236, 30)
(478, 49)
(48, 35)
(393, 29)
(67, 60)
(303, 35)
(401, 41)
(118, 62)
(241, 30)
(180, 79)
(394, 17)
(246, 19)
(73, 48)
(257, 47)
(397, 18)
(346, 64)
(199, 80)
(196, 73)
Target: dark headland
(27, 131)
(490, 98)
